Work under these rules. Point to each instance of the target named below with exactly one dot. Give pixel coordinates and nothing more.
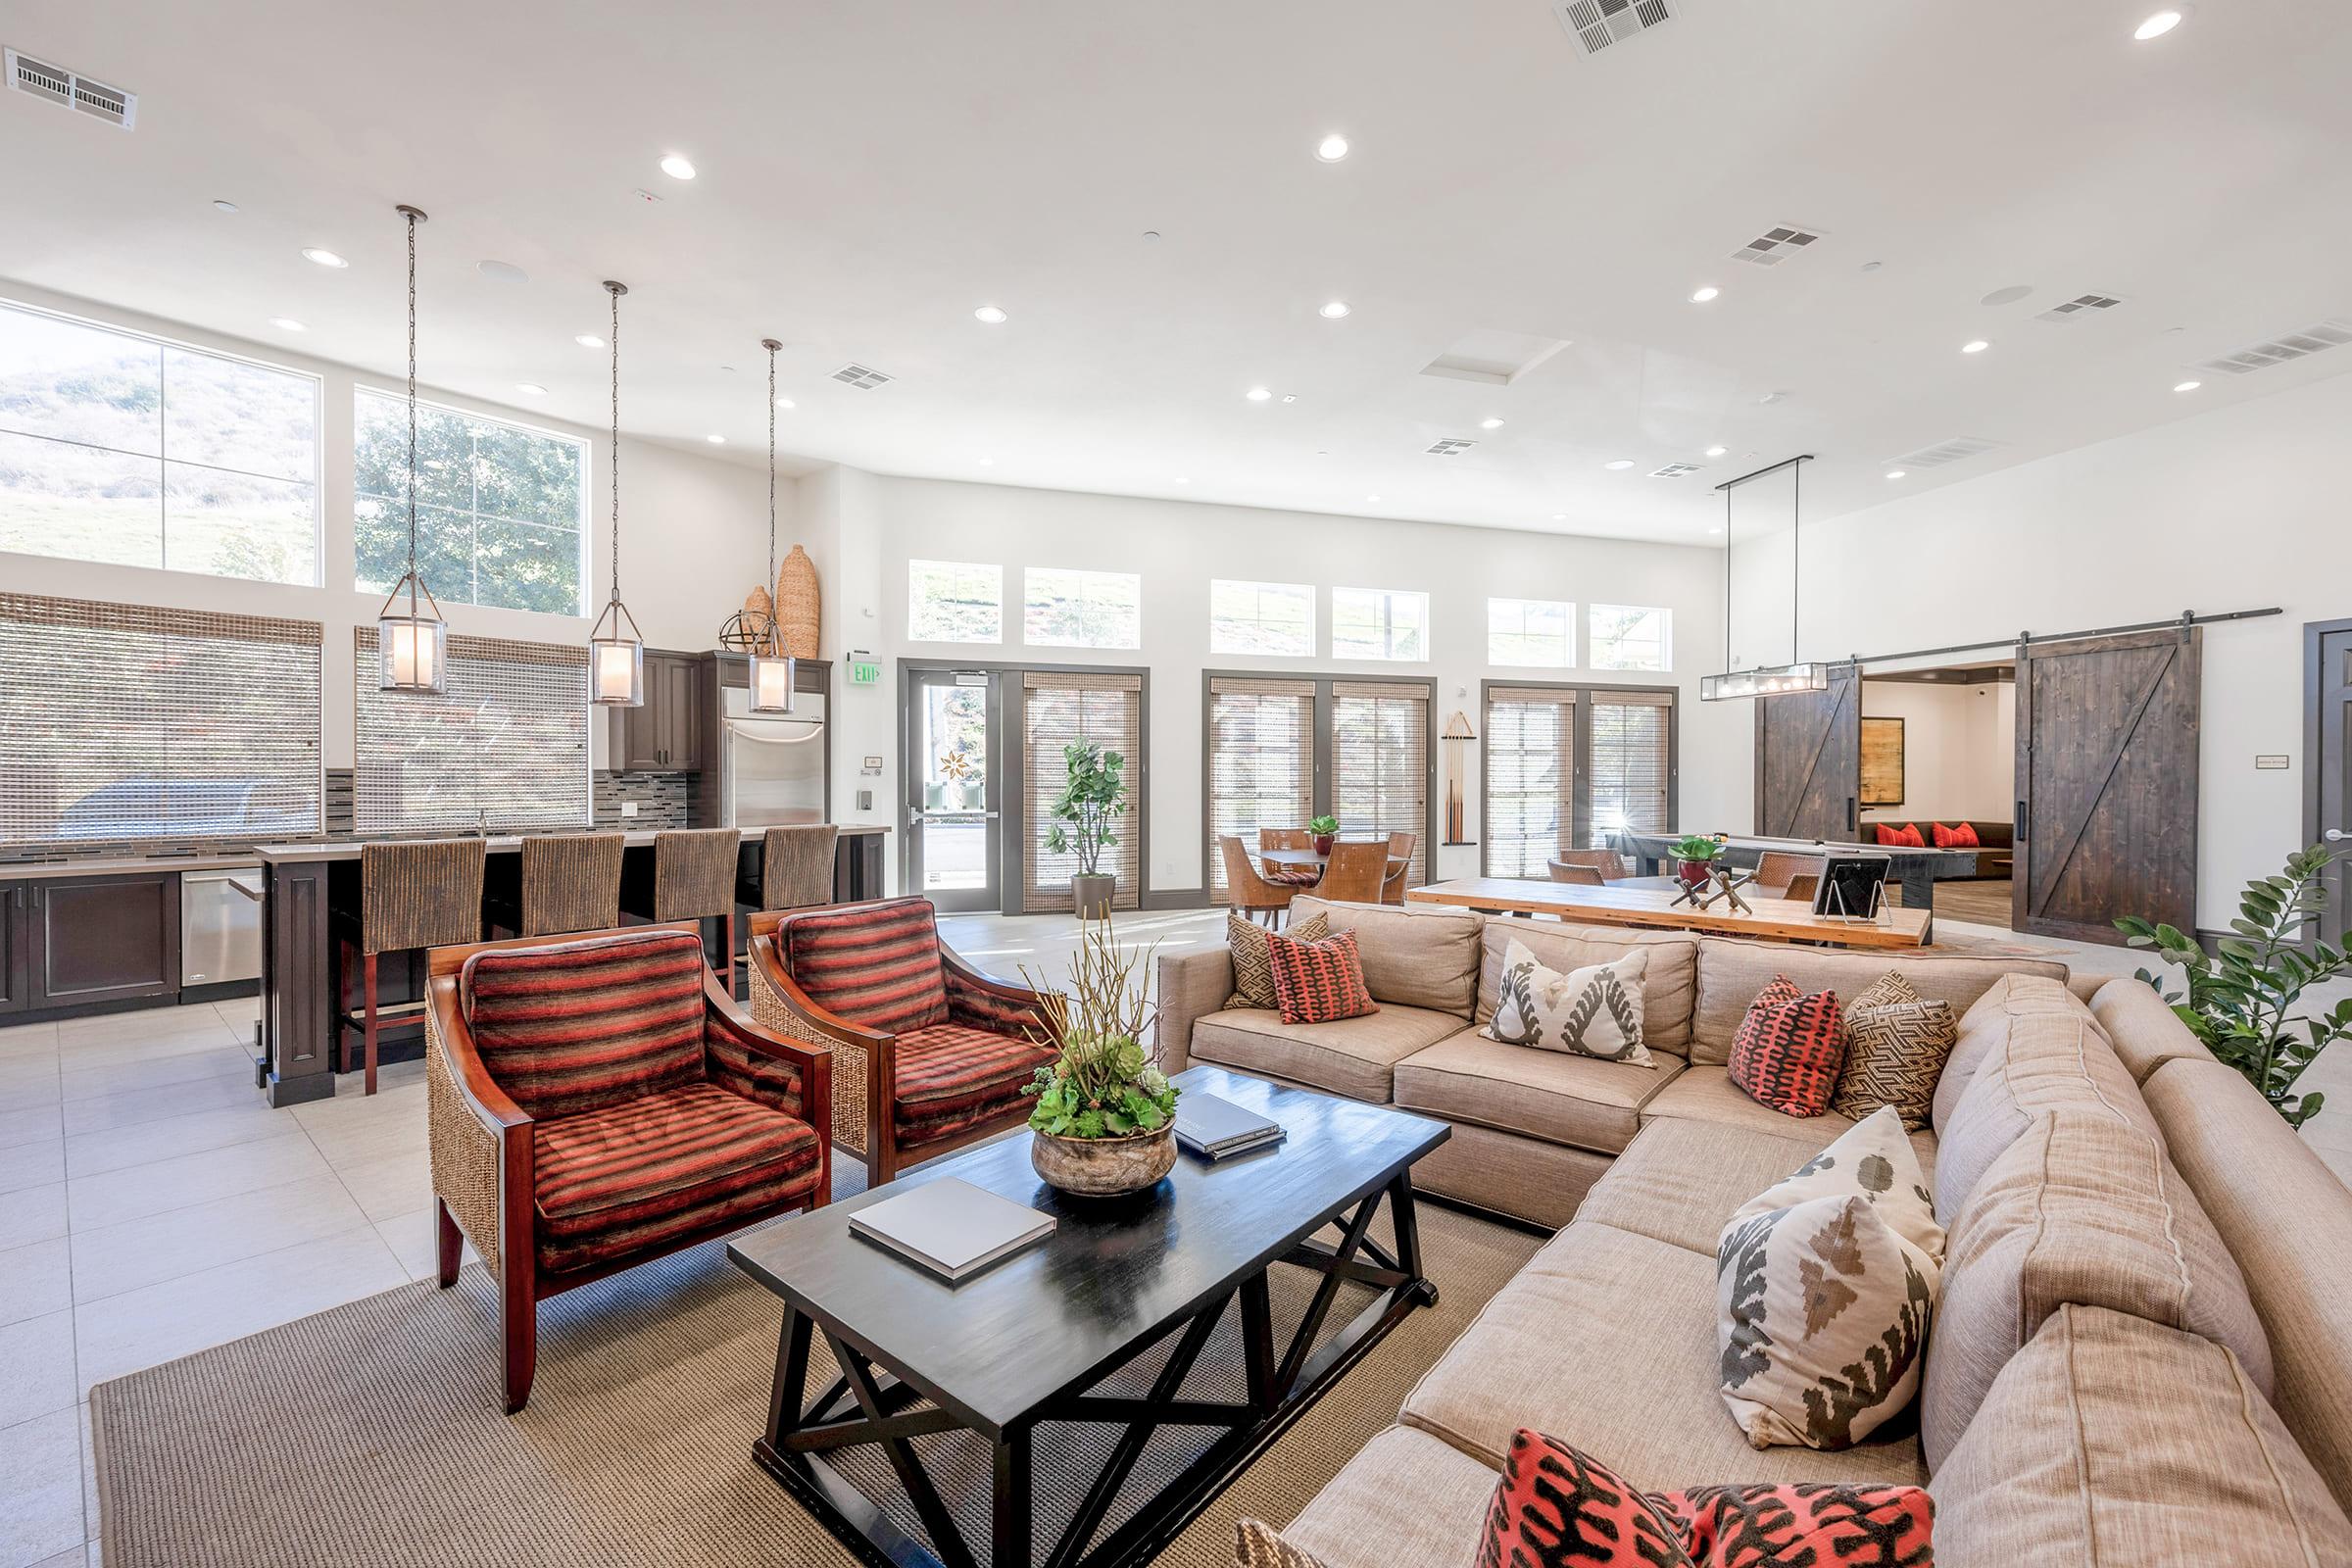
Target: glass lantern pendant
(412, 640)
(615, 646)
(774, 672)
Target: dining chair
(1288, 838)
(1355, 872)
(1802, 887)
(413, 893)
(1578, 875)
(1247, 890)
(1777, 869)
(1608, 862)
(1400, 866)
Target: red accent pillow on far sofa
(1789, 1048)
(1962, 837)
(1906, 837)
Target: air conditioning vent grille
(60, 86)
(862, 377)
(1776, 245)
(1599, 23)
(2333, 332)
(1450, 448)
(1955, 450)
(2081, 306)
(1675, 470)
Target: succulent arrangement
(1104, 1081)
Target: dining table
(1293, 860)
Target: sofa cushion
(2080, 1209)
(1532, 1179)
(1593, 1012)
(1789, 1049)
(1731, 973)
(1321, 981)
(1551, 1095)
(1708, 1095)
(1669, 970)
(572, 1026)
(1677, 1181)
(1606, 1340)
(2142, 1028)
(1354, 1057)
(1404, 1498)
(1253, 968)
(1413, 957)
(2117, 1442)
(875, 964)
(949, 1079)
(1986, 1022)
(2288, 1219)
(636, 1176)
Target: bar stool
(796, 866)
(694, 879)
(413, 895)
(571, 882)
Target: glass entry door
(953, 788)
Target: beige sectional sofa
(2143, 1352)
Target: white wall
(1959, 749)
(863, 528)
(693, 533)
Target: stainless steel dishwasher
(219, 925)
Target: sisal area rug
(370, 1436)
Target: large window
(122, 722)
(1571, 767)
(1065, 608)
(1633, 763)
(1261, 762)
(1380, 762)
(501, 510)
(954, 602)
(1261, 617)
(506, 747)
(1059, 708)
(1377, 623)
(127, 450)
(1632, 637)
(1531, 633)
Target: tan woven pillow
(1259, 1546)
(1253, 970)
(1895, 1048)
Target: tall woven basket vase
(796, 604)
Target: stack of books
(1215, 1128)
(951, 1227)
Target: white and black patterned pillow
(1593, 1011)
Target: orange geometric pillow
(1318, 982)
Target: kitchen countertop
(498, 843)
(128, 864)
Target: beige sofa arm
(1189, 985)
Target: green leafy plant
(1323, 824)
(1094, 796)
(2242, 996)
(1104, 1081)
(1696, 847)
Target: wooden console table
(1769, 919)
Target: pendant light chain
(775, 629)
(616, 452)
(411, 217)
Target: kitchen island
(309, 887)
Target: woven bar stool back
(424, 893)
(796, 866)
(571, 883)
(694, 879)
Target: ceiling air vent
(2081, 306)
(1599, 23)
(1943, 452)
(1448, 448)
(857, 375)
(1674, 471)
(1776, 245)
(67, 90)
(2333, 332)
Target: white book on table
(1208, 1124)
(951, 1227)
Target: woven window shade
(1380, 762)
(1058, 709)
(1261, 762)
(1528, 810)
(127, 722)
(507, 744)
(1632, 763)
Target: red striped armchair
(599, 1102)
(929, 1053)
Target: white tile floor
(150, 1205)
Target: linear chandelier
(1766, 680)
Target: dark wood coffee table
(1066, 1391)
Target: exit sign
(864, 669)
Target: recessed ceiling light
(1621, 463)
(286, 323)
(1332, 148)
(990, 314)
(1701, 296)
(1490, 424)
(2188, 386)
(2157, 26)
(531, 387)
(1715, 451)
(1894, 473)
(1375, 500)
(677, 167)
(312, 253)
(589, 340)
(501, 271)
(1334, 311)
(715, 439)
(785, 403)
(988, 463)
(1181, 479)
(1559, 516)
(1257, 394)
(224, 207)
(1974, 345)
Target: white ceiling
(871, 172)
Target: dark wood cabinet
(103, 938)
(16, 987)
(673, 732)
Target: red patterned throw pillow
(1318, 982)
(1960, 837)
(1556, 1507)
(1789, 1048)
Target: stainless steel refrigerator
(772, 768)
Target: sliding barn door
(1809, 761)
(2106, 784)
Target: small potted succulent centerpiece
(1326, 830)
(1093, 798)
(1104, 1122)
(1695, 857)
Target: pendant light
(774, 670)
(412, 640)
(1771, 680)
(615, 646)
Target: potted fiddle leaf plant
(1695, 857)
(1094, 797)
(1326, 830)
(1104, 1119)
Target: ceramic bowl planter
(1092, 894)
(1104, 1167)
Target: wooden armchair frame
(485, 1152)
(866, 1059)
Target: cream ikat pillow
(1593, 1011)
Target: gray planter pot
(1093, 894)
(1104, 1167)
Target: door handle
(2336, 835)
